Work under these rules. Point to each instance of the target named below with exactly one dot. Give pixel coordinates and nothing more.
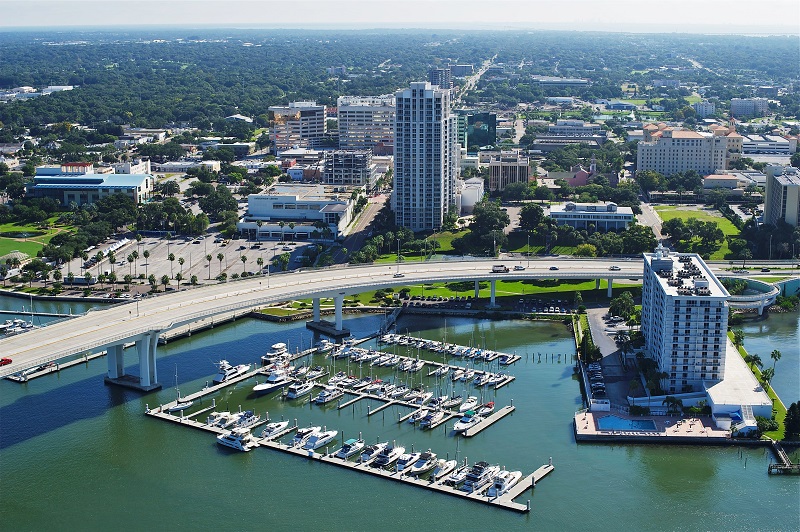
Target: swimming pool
(618, 423)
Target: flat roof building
(299, 124)
(670, 151)
(507, 167)
(782, 195)
(83, 189)
(749, 107)
(367, 123)
(350, 167)
(603, 216)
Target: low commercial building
(770, 144)
(471, 193)
(602, 216)
(183, 166)
(551, 81)
(315, 212)
(548, 143)
(87, 188)
(574, 128)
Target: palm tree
(152, 280)
(112, 258)
(138, 241)
(673, 404)
(766, 376)
(220, 257)
(99, 258)
(88, 277)
(244, 262)
(259, 223)
(130, 263)
(775, 356)
(291, 228)
(281, 224)
(128, 278)
(755, 360)
(260, 262)
(165, 281)
(135, 255)
(102, 279)
(57, 276)
(181, 261)
(179, 278)
(171, 259)
(738, 337)
(208, 259)
(84, 257)
(71, 278)
(146, 256)
(112, 279)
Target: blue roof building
(88, 188)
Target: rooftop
(739, 387)
(88, 181)
(684, 274)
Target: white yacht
(442, 469)
(388, 456)
(299, 389)
(469, 404)
(457, 476)
(302, 435)
(278, 378)
(442, 371)
(228, 371)
(247, 419)
(419, 415)
(374, 386)
(318, 439)
(431, 419)
(503, 482)
(371, 452)
(400, 391)
(314, 372)
(453, 401)
(239, 439)
(221, 419)
(271, 429)
(276, 353)
(469, 420)
(405, 462)
(416, 366)
(468, 375)
(479, 477)
(325, 346)
(424, 463)
(328, 394)
(457, 374)
(350, 448)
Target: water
(782, 332)
(82, 454)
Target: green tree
(530, 216)
(171, 259)
(243, 258)
(181, 261)
(146, 256)
(673, 404)
(282, 261)
(622, 305)
(208, 260)
(738, 337)
(153, 282)
(775, 356)
(165, 281)
(220, 258)
(791, 424)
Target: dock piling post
(369, 410)
(214, 402)
(550, 462)
(240, 409)
(146, 407)
(528, 505)
(512, 402)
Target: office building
(704, 109)
(352, 168)
(441, 77)
(550, 81)
(749, 107)
(600, 216)
(684, 320)
(770, 144)
(782, 195)
(574, 128)
(87, 188)
(508, 167)
(669, 151)
(367, 123)
(299, 124)
(426, 157)
(462, 71)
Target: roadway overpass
(143, 321)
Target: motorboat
(379, 360)
(457, 374)
(469, 420)
(469, 404)
(325, 346)
(453, 401)
(300, 372)
(228, 371)
(416, 366)
(442, 469)
(424, 463)
(405, 462)
(436, 402)
(180, 404)
(278, 378)
(422, 398)
(337, 379)
(374, 386)
(276, 353)
(363, 383)
(485, 409)
(414, 394)
(468, 375)
(386, 390)
(405, 365)
(238, 438)
(457, 476)
(315, 372)
(431, 419)
(393, 361)
(442, 371)
(388, 456)
(318, 439)
(496, 379)
(271, 429)
(503, 482)
(371, 452)
(221, 419)
(482, 379)
(328, 394)
(479, 477)
(349, 448)
(418, 415)
(247, 419)
(302, 435)
(299, 389)
(504, 360)
(400, 391)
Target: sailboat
(180, 404)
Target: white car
(519, 268)
(614, 268)
(398, 275)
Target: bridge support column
(315, 306)
(493, 291)
(146, 348)
(761, 307)
(477, 289)
(597, 284)
(116, 362)
(338, 301)
(610, 287)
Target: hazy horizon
(616, 16)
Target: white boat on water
(393, 361)
(457, 476)
(371, 452)
(469, 404)
(238, 438)
(431, 419)
(278, 378)
(388, 456)
(503, 482)
(468, 375)
(485, 409)
(418, 415)
(271, 429)
(302, 435)
(442, 371)
(318, 439)
(315, 372)
(469, 420)
(479, 477)
(457, 374)
(422, 398)
(349, 448)
(325, 346)
(299, 389)
(453, 401)
(276, 353)
(328, 394)
(180, 404)
(228, 371)
(416, 366)
(424, 463)
(400, 391)
(405, 462)
(247, 419)
(374, 386)
(221, 419)
(442, 469)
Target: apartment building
(367, 123)
(299, 124)
(782, 195)
(749, 107)
(352, 168)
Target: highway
(98, 329)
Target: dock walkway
(489, 421)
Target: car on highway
(765, 270)
(614, 268)
(5, 361)
(398, 275)
(519, 268)
(553, 268)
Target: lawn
(26, 238)
(668, 212)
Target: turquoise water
(617, 423)
(76, 452)
(782, 332)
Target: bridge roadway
(99, 329)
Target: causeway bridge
(142, 321)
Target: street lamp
(529, 249)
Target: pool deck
(668, 429)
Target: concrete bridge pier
(610, 287)
(597, 284)
(146, 347)
(338, 302)
(477, 289)
(116, 361)
(315, 307)
(492, 302)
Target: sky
(683, 16)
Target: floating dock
(489, 421)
